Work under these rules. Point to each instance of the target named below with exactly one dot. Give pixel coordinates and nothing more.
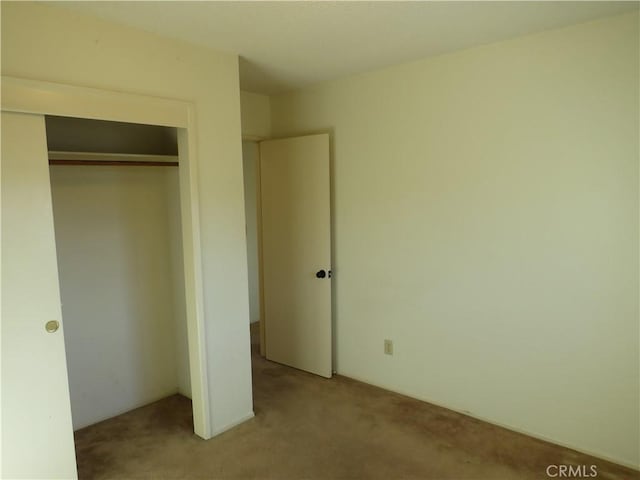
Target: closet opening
(116, 205)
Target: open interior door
(37, 434)
(296, 252)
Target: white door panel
(37, 434)
(296, 244)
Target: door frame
(45, 98)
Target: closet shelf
(118, 159)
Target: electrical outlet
(388, 347)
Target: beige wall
(256, 115)
(486, 220)
(48, 43)
(256, 125)
(115, 249)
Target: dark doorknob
(321, 274)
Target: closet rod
(116, 159)
(126, 163)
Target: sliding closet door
(37, 436)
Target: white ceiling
(287, 45)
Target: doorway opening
(250, 166)
(116, 208)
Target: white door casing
(37, 434)
(47, 451)
(296, 245)
(38, 97)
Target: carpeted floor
(307, 427)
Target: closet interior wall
(118, 240)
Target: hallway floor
(307, 427)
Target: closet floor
(313, 428)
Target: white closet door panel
(37, 436)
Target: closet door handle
(52, 326)
(321, 274)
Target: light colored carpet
(307, 427)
